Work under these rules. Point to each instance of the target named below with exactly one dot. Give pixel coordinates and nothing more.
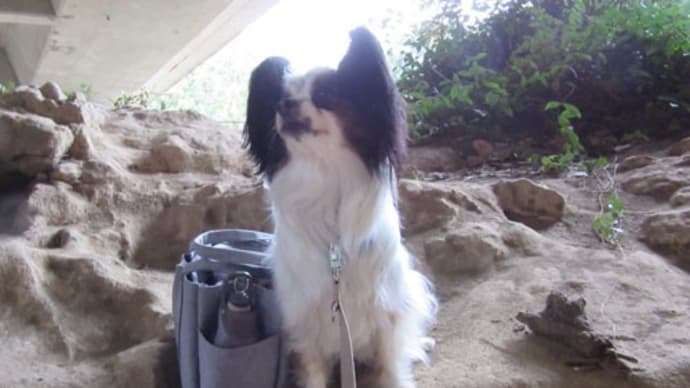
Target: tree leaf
(552, 105)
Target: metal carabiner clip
(240, 292)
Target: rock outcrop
(659, 177)
(81, 226)
(524, 201)
(680, 148)
(669, 232)
(31, 145)
(97, 205)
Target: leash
(348, 377)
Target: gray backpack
(227, 322)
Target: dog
(328, 145)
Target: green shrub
(608, 225)
(572, 148)
(624, 63)
(139, 99)
(7, 88)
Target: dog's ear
(261, 138)
(365, 81)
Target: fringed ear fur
(379, 128)
(261, 139)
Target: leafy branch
(608, 225)
(7, 88)
(572, 147)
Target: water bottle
(237, 317)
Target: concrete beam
(27, 12)
(117, 45)
(24, 44)
(222, 29)
(6, 71)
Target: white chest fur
(315, 205)
(319, 202)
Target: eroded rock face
(82, 145)
(210, 207)
(86, 264)
(97, 313)
(634, 162)
(55, 205)
(659, 184)
(472, 248)
(482, 309)
(150, 364)
(73, 219)
(78, 307)
(169, 155)
(21, 296)
(660, 179)
(68, 172)
(680, 148)
(465, 230)
(31, 144)
(669, 231)
(429, 159)
(49, 101)
(423, 207)
(476, 247)
(60, 239)
(482, 148)
(184, 142)
(52, 91)
(534, 205)
(684, 161)
(681, 197)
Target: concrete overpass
(115, 45)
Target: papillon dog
(328, 144)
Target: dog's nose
(287, 106)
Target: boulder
(433, 159)
(166, 236)
(35, 101)
(50, 90)
(87, 260)
(476, 247)
(534, 205)
(634, 162)
(668, 231)
(472, 248)
(68, 172)
(423, 207)
(681, 197)
(680, 148)
(31, 144)
(658, 183)
(82, 146)
(171, 155)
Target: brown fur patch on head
(377, 137)
(376, 125)
(324, 91)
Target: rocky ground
(97, 205)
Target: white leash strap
(348, 378)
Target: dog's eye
(324, 98)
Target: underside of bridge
(112, 46)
